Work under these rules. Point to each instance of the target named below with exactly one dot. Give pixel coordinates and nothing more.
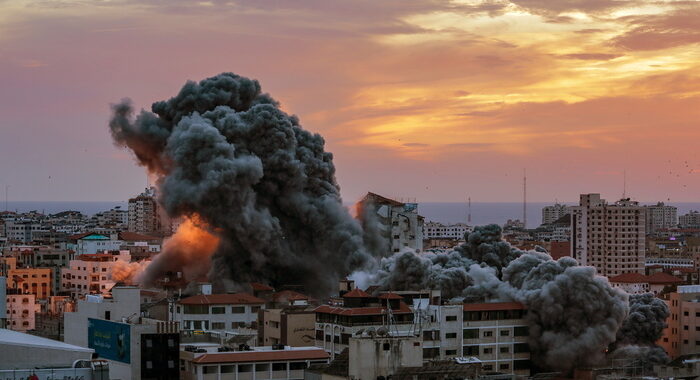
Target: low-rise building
(21, 311)
(91, 274)
(218, 311)
(36, 281)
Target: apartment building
(434, 230)
(21, 311)
(682, 336)
(397, 222)
(36, 281)
(220, 312)
(660, 216)
(551, 214)
(608, 237)
(689, 220)
(91, 274)
(335, 324)
(144, 214)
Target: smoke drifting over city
(226, 155)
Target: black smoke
(226, 152)
(643, 327)
(573, 314)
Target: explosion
(128, 273)
(225, 151)
(189, 251)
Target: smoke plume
(644, 326)
(225, 151)
(573, 314)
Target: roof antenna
(624, 184)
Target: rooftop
(493, 306)
(357, 293)
(264, 355)
(15, 338)
(372, 310)
(221, 299)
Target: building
(3, 302)
(209, 361)
(23, 230)
(551, 214)
(397, 222)
(218, 311)
(434, 230)
(497, 334)
(135, 347)
(682, 336)
(689, 220)
(36, 281)
(144, 214)
(91, 243)
(21, 311)
(114, 218)
(380, 355)
(91, 274)
(335, 324)
(288, 320)
(660, 216)
(24, 355)
(608, 237)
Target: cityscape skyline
(462, 95)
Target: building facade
(660, 216)
(689, 220)
(550, 214)
(434, 230)
(144, 214)
(219, 312)
(397, 222)
(608, 237)
(91, 274)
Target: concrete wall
(382, 356)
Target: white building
(690, 220)
(434, 230)
(23, 230)
(398, 222)
(660, 216)
(114, 218)
(21, 311)
(91, 274)
(135, 347)
(94, 243)
(222, 312)
(550, 214)
(144, 214)
(207, 361)
(608, 237)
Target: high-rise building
(609, 237)
(550, 214)
(689, 220)
(660, 216)
(397, 222)
(144, 215)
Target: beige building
(21, 312)
(144, 215)
(91, 274)
(682, 336)
(37, 281)
(292, 326)
(608, 237)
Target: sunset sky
(433, 100)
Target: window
(504, 366)
(245, 368)
(386, 346)
(685, 313)
(685, 327)
(450, 352)
(470, 350)
(297, 366)
(218, 310)
(218, 325)
(488, 334)
(450, 318)
(487, 367)
(431, 352)
(279, 366)
(262, 367)
(504, 350)
(521, 331)
(196, 309)
(108, 315)
(254, 309)
(521, 347)
(450, 335)
(470, 333)
(238, 309)
(505, 332)
(488, 350)
(227, 368)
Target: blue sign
(110, 340)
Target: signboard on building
(110, 340)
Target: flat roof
(15, 338)
(312, 353)
(493, 306)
